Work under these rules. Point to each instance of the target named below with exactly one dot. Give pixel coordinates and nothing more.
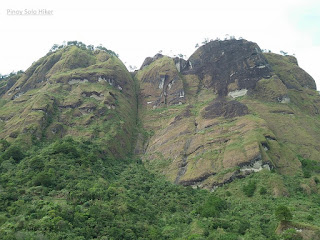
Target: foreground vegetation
(69, 190)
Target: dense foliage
(69, 190)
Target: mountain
(227, 111)
(74, 91)
(224, 145)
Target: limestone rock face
(226, 113)
(73, 91)
(227, 109)
(161, 84)
(229, 65)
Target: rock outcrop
(226, 112)
(221, 114)
(226, 66)
(73, 91)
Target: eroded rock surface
(229, 65)
(202, 115)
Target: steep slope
(74, 91)
(69, 125)
(236, 115)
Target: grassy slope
(51, 108)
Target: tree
(283, 213)
(54, 47)
(197, 45)
(212, 207)
(205, 41)
(90, 47)
(283, 53)
(132, 68)
(13, 152)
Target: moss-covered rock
(73, 91)
(288, 70)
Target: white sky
(138, 29)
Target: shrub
(3, 145)
(309, 166)
(306, 173)
(283, 213)
(66, 147)
(291, 234)
(212, 207)
(263, 191)
(14, 152)
(243, 226)
(250, 188)
(43, 179)
(310, 218)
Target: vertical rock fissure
(184, 163)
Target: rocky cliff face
(73, 91)
(228, 111)
(226, 66)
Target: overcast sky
(137, 29)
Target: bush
(291, 234)
(3, 145)
(306, 173)
(310, 218)
(212, 207)
(243, 226)
(283, 213)
(43, 179)
(263, 191)
(250, 188)
(14, 152)
(67, 148)
(309, 166)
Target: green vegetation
(283, 213)
(249, 189)
(82, 46)
(309, 167)
(70, 190)
(68, 169)
(287, 69)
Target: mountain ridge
(92, 145)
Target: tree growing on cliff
(205, 41)
(283, 53)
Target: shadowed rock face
(227, 109)
(229, 65)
